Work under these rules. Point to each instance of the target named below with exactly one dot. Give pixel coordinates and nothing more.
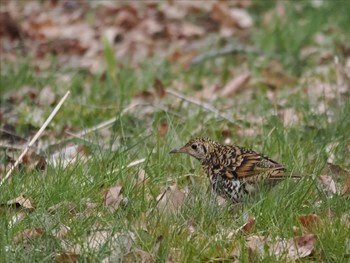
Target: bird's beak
(180, 150)
(175, 151)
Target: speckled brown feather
(232, 168)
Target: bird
(233, 171)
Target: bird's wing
(248, 163)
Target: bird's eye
(194, 146)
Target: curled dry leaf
(328, 183)
(159, 88)
(21, 201)
(235, 85)
(171, 199)
(301, 247)
(113, 197)
(248, 225)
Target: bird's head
(198, 148)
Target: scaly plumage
(233, 171)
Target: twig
(205, 106)
(230, 49)
(36, 136)
(134, 163)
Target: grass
(301, 147)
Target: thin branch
(36, 136)
(230, 49)
(205, 106)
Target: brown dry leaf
(41, 164)
(21, 201)
(248, 225)
(159, 87)
(163, 128)
(301, 247)
(336, 170)
(328, 183)
(235, 85)
(308, 221)
(257, 244)
(171, 199)
(113, 197)
(46, 96)
(294, 248)
(227, 17)
(28, 234)
(67, 257)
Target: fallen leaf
(328, 183)
(97, 239)
(301, 247)
(308, 220)
(248, 225)
(159, 88)
(113, 197)
(28, 234)
(21, 202)
(294, 248)
(46, 96)
(66, 257)
(171, 199)
(337, 170)
(235, 85)
(163, 128)
(256, 244)
(141, 178)
(61, 232)
(227, 17)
